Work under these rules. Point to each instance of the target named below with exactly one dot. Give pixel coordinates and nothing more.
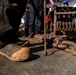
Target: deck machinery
(62, 28)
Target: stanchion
(45, 47)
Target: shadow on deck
(57, 62)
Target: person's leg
(26, 23)
(26, 19)
(15, 19)
(31, 20)
(39, 16)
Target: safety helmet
(65, 1)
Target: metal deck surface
(58, 62)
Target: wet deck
(58, 62)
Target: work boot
(15, 53)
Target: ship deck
(57, 62)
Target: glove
(54, 7)
(48, 19)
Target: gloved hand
(54, 7)
(48, 18)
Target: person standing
(10, 18)
(36, 16)
(65, 3)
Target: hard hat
(65, 1)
